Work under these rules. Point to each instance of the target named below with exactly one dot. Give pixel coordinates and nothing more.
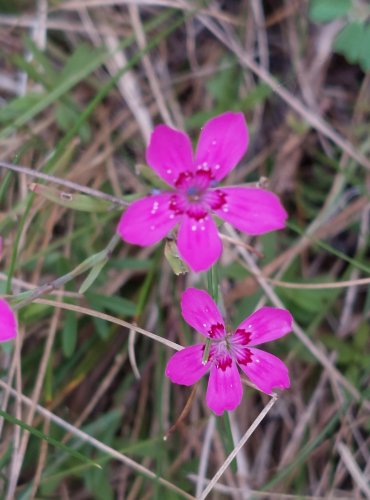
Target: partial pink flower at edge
(194, 194)
(8, 322)
(230, 350)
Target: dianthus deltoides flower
(194, 193)
(229, 350)
(8, 323)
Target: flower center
(233, 346)
(193, 196)
(194, 183)
(190, 196)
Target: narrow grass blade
(49, 439)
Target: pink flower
(8, 323)
(229, 349)
(194, 194)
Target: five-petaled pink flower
(229, 349)
(8, 323)
(194, 194)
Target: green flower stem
(93, 260)
(212, 280)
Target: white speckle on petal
(172, 216)
(169, 171)
(214, 143)
(225, 209)
(152, 227)
(205, 325)
(194, 227)
(218, 166)
(155, 207)
(257, 360)
(205, 164)
(202, 228)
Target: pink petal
(268, 323)
(266, 371)
(200, 311)
(251, 210)
(186, 367)
(8, 323)
(199, 243)
(169, 153)
(222, 143)
(224, 391)
(148, 220)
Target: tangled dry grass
(85, 405)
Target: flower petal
(251, 210)
(268, 323)
(224, 391)
(169, 153)
(222, 143)
(266, 371)
(148, 220)
(186, 367)
(200, 311)
(199, 243)
(8, 325)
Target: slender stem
(212, 278)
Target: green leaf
(34, 312)
(130, 263)
(225, 84)
(69, 334)
(93, 274)
(349, 41)
(322, 11)
(75, 201)
(114, 304)
(353, 43)
(361, 337)
(102, 328)
(364, 56)
(256, 96)
(40, 57)
(79, 59)
(19, 105)
(66, 117)
(98, 484)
